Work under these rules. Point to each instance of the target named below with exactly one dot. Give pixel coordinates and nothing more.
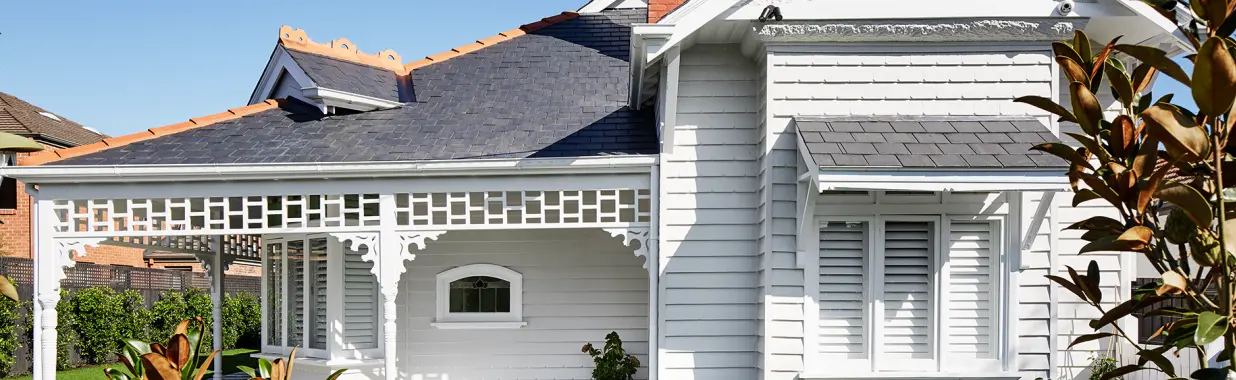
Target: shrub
(174, 307)
(242, 321)
(98, 317)
(612, 363)
(10, 316)
(135, 320)
(66, 332)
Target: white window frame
(286, 312)
(448, 320)
(1002, 293)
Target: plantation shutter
(971, 285)
(360, 301)
(274, 294)
(296, 272)
(843, 254)
(906, 324)
(317, 262)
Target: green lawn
(231, 359)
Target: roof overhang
(292, 171)
(936, 180)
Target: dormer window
(479, 296)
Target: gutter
(336, 170)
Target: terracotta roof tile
(297, 39)
(113, 142)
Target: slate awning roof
(557, 91)
(24, 119)
(351, 77)
(939, 143)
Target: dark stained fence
(1185, 364)
(147, 281)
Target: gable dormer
(333, 76)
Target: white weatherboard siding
(1034, 308)
(708, 235)
(1073, 314)
(578, 286)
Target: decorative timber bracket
(65, 248)
(634, 235)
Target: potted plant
(612, 362)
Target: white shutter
(971, 285)
(360, 301)
(843, 254)
(906, 326)
(318, 269)
(296, 272)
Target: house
(817, 190)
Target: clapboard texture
(709, 228)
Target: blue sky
(125, 66)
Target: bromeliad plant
(278, 370)
(178, 359)
(1125, 161)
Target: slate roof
(335, 74)
(24, 119)
(927, 143)
(560, 91)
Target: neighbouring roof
(554, 88)
(337, 74)
(24, 119)
(927, 142)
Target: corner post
(214, 267)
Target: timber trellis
(150, 282)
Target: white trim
(341, 99)
(478, 325)
(959, 180)
(280, 62)
(595, 6)
(330, 170)
(914, 375)
(442, 297)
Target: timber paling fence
(150, 282)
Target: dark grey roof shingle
(558, 92)
(347, 76)
(927, 142)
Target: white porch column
(214, 266)
(51, 256)
(648, 250)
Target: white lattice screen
(214, 214)
(523, 207)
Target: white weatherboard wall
(708, 233)
(578, 286)
(1073, 314)
(913, 79)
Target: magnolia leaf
(291, 361)
(201, 370)
(1063, 151)
(1173, 282)
(1192, 202)
(158, 367)
(1159, 360)
(336, 374)
(1084, 195)
(1093, 278)
(278, 369)
(1138, 236)
(7, 289)
(1158, 59)
(249, 371)
(1101, 187)
(1210, 374)
(1081, 43)
(1214, 85)
(178, 350)
(1089, 337)
(1120, 84)
(1216, 12)
(1049, 106)
(1086, 108)
(1120, 311)
(1147, 155)
(1068, 285)
(1124, 135)
(182, 327)
(1063, 49)
(1096, 223)
(1145, 194)
(1142, 76)
(1100, 63)
(1090, 144)
(264, 368)
(115, 374)
(1177, 132)
(1121, 371)
(1210, 326)
(1229, 228)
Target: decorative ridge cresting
(486, 42)
(342, 49)
(108, 143)
(943, 30)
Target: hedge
(92, 322)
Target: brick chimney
(659, 8)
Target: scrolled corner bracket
(66, 246)
(943, 30)
(634, 234)
(341, 48)
(355, 240)
(408, 238)
(207, 261)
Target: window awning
(930, 153)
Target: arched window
(479, 296)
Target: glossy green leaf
(1093, 279)
(1068, 285)
(7, 289)
(1084, 195)
(1096, 222)
(1089, 337)
(1156, 356)
(1086, 108)
(1178, 133)
(1158, 59)
(1120, 84)
(1210, 326)
(1121, 371)
(1048, 105)
(1081, 43)
(1192, 202)
(1119, 311)
(1210, 374)
(336, 374)
(1064, 152)
(1214, 78)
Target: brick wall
(234, 270)
(659, 8)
